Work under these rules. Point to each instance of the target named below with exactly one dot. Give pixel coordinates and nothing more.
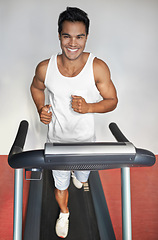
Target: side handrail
(141, 154)
(16, 149)
(20, 138)
(119, 136)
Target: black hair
(73, 14)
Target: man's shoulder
(101, 70)
(43, 65)
(100, 65)
(41, 69)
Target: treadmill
(89, 215)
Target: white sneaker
(62, 225)
(76, 182)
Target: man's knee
(60, 193)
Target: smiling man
(75, 81)
(73, 39)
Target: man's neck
(68, 63)
(71, 67)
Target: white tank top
(68, 125)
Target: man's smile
(72, 49)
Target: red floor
(144, 189)
(144, 201)
(6, 199)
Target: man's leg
(62, 180)
(62, 199)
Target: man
(74, 80)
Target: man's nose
(72, 41)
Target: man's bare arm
(106, 88)
(38, 95)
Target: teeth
(72, 50)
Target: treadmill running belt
(82, 224)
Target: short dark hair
(73, 14)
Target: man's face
(73, 38)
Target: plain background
(123, 33)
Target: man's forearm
(38, 97)
(106, 105)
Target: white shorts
(62, 178)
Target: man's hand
(79, 104)
(45, 115)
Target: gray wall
(123, 33)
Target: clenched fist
(79, 104)
(45, 114)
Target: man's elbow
(115, 102)
(31, 88)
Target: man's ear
(59, 36)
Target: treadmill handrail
(85, 160)
(119, 136)
(20, 138)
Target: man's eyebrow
(79, 35)
(65, 34)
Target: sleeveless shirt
(68, 125)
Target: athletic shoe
(62, 225)
(76, 182)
